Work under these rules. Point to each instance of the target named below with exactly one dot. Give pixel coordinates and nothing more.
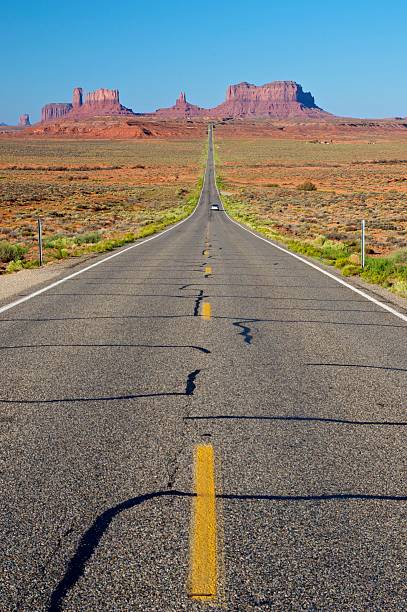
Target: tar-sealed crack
(246, 331)
(173, 464)
(191, 386)
(198, 301)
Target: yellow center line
(206, 311)
(204, 573)
(208, 270)
(206, 252)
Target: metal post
(40, 241)
(363, 242)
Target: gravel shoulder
(18, 284)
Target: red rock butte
(99, 102)
(280, 99)
(24, 120)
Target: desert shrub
(307, 186)
(182, 191)
(334, 250)
(15, 266)
(400, 256)
(89, 238)
(11, 252)
(350, 270)
(400, 287)
(61, 253)
(58, 242)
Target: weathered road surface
(110, 380)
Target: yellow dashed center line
(208, 270)
(206, 311)
(204, 574)
(206, 252)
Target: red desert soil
(326, 130)
(121, 127)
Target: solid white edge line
(26, 298)
(394, 312)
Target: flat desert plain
(313, 195)
(91, 195)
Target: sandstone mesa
(99, 102)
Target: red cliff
(99, 102)
(55, 110)
(280, 99)
(77, 97)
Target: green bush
(58, 242)
(90, 238)
(11, 252)
(351, 270)
(15, 266)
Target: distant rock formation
(24, 120)
(182, 108)
(99, 102)
(77, 97)
(55, 110)
(280, 99)
(104, 101)
(102, 97)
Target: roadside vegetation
(92, 197)
(312, 199)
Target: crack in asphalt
(247, 337)
(90, 541)
(173, 464)
(144, 346)
(198, 301)
(191, 386)
(93, 535)
(189, 390)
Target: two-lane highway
(202, 420)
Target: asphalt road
(110, 380)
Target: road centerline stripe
(203, 565)
(206, 311)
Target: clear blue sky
(352, 55)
